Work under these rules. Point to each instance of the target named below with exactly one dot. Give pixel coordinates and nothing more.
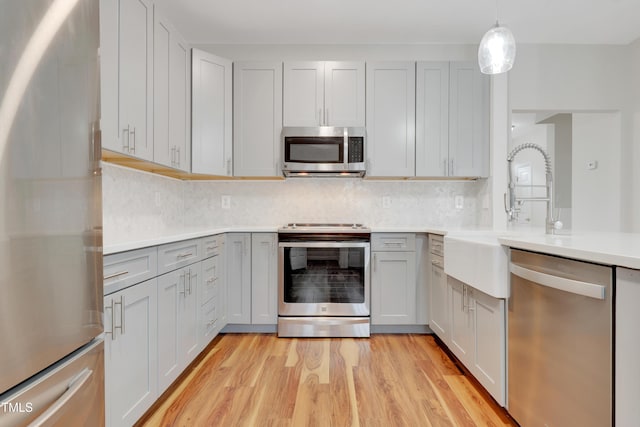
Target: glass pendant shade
(497, 51)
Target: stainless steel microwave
(323, 151)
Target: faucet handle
(557, 225)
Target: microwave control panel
(356, 149)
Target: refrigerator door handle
(74, 387)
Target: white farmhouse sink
(479, 260)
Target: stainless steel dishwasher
(560, 370)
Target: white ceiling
(402, 21)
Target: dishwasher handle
(586, 289)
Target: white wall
(569, 78)
(596, 192)
(583, 78)
(632, 168)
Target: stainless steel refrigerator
(51, 350)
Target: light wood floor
(386, 380)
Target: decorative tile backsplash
(142, 205)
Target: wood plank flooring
(385, 380)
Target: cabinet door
(438, 299)
(462, 326)
(303, 94)
(468, 120)
(489, 360)
(135, 64)
(171, 291)
(627, 346)
(170, 95)
(391, 118)
(180, 101)
(257, 108)
(344, 99)
(238, 254)
(423, 274)
(264, 276)
(432, 118)
(212, 108)
(131, 370)
(393, 288)
(190, 313)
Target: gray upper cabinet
(257, 118)
(391, 119)
(126, 56)
(452, 120)
(211, 144)
(171, 96)
(319, 93)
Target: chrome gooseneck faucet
(512, 205)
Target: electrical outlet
(459, 201)
(225, 202)
(386, 202)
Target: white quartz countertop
(178, 235)
(621, 249)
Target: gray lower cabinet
(155, 328)
(393, 279)
(627, 347)
(238, 257)
(177, 322)
(264, 278)
(252, 274)
(131, 346)
(438, 293)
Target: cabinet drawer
(437, 261)
(210, 279)
(124, 269)
(436, 244)
(393, 242)
(212, 245)
(209, 317)
(180, 254)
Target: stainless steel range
(324, 284)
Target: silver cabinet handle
(586, 289)
(464, 297)
(75, 385)
(127, 130)
(375, 261)
(184, 283)
(229, 167)
(190, 277)
(111, 276)
(121, 327)
(452, 171)
(133, 150)
(113, 337)
(187, 255)
(320, 116)
(444, 167)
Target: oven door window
(314, 149)
(324, 275)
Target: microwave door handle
(345, 154)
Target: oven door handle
(329, 244)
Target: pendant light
(497, 50)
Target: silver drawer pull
(211, 280)
(111, 276)
(436, 263)
(210, 248)
(187, 255)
